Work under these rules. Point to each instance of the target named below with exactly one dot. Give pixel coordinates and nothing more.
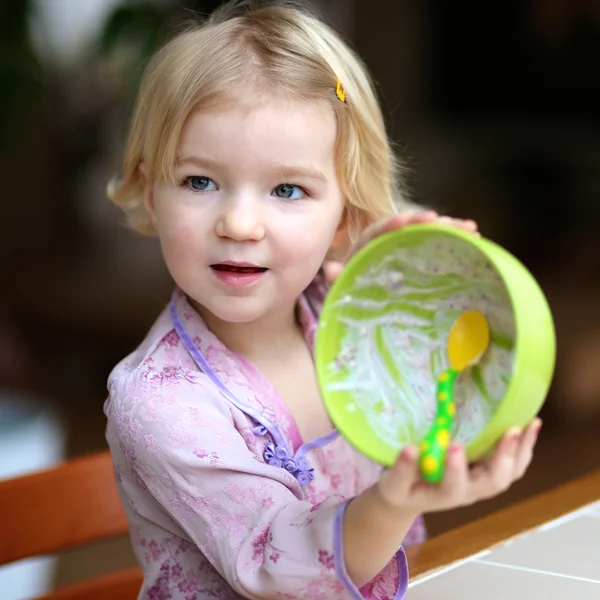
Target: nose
(241, 219)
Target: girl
(257, 153)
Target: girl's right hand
(377, 520)
(401, 488)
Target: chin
(237, 314)
(237, 317)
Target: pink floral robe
(223, 498)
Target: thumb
(332, 270)
(396, 482)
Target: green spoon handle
(434, 447)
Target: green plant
(21, 76)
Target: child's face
(258, 189)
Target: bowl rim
(487, 248)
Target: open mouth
(238, 269)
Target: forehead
(265, 128)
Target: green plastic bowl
(382, 335)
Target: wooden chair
(64, 507)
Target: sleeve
(245, 516)
(391, 582)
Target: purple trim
(207, 370)
(260, 430)
(281, 405)
(339, 562)
(316, 443)
(277, 454)
(311, 307)
(402, 574)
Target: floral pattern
(212, 512)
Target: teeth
(236, 269)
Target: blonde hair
(284, 50)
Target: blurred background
(494, 106)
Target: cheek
(179, 242)
(310, 236)
(185, 236)
(175, 222)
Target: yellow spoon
(467, 342)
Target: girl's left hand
(332, 269)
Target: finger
(464, 224)
(451, 491)
(469, 225)
(376, 229)
(525, 450)
(421, 216)
(332, 270)
(395, 222)
(456, 476)
(396, 482)
(495, 475)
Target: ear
(147, 193)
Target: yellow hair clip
(340, 91)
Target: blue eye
(287, 191)
(200, 183)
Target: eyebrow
(203, 163)
(292, 171)
(283, 171)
